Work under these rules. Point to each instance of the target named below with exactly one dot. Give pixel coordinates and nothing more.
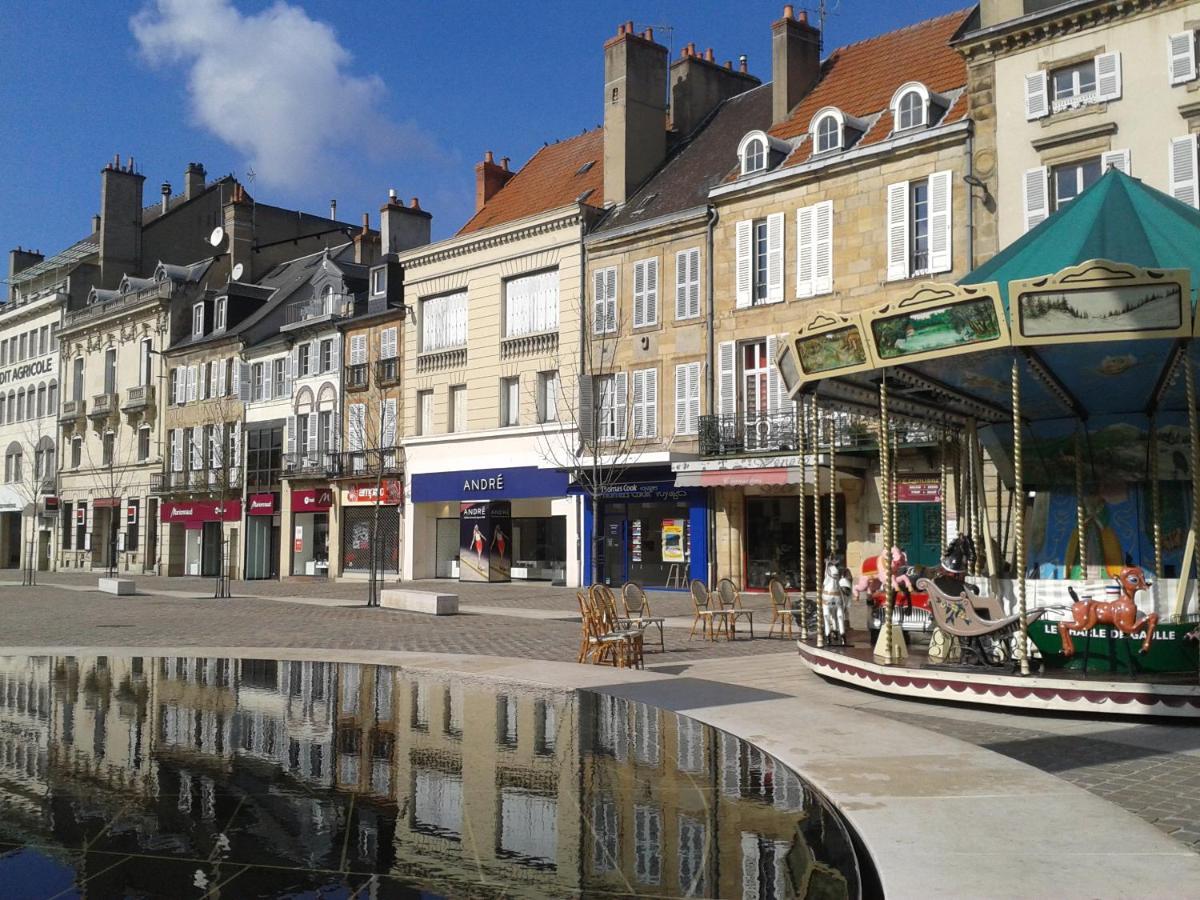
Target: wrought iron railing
(737, 434)
(196, 480)
(353, 463)
(358, 377)
(318, 463)
(387, 371)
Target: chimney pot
(366, 226)
(629, 27)
(648, 34)
(333, 209)
(504, 163)
(804, 16)
(487, 156)
(415, 203)
(742, 63)
(391, 194)
(708, 54)
(788, 11)
(166, 195)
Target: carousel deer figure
(1122, 613)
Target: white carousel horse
(834, 592)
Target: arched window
(52, 399)
(12, 463)
(29, 401)
(828, 132)
(21, 405)
(910, 106)
(327, 298)
(12, 406)
(754, 156)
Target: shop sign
(50, 504)
(26, 370)
(106, 503)
(261, 505)
(389, 491)
(639, 490)
(80, 514)
(197, 512)
(489, 484)
(312, 500)
(918, 492)
(131, 514)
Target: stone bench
(420, 601)
(119, 586)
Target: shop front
(262, 536)
(196, 535)
(370, 508)
(653, 532)
(311, 509)
(534, 541)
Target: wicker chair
(731, 601)
(708, 618)
(637, 610)
(603, 644)
(783, 615)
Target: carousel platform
(1108, 694)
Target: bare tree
(372, 439)
(112, 471)
(216, 434)
(28, 476)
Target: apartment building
(490, 373)
(1062, 91)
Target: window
(645, 403)
(828, 134)
(531, 304)
(174, 383)
(144, 367)
(547, 396)
(67, 514)
(110, 370)
(52, 401)
(754, 156)
(53, 336)
(1071, 179)
(23, 344)
(759, 269)
(29, 403)
(278, 383)
(611, 398)
(759, 261)
(389, 346)
(444, 322)
(910, 111)
(510, 401)
(76, 452)
(256, 381)
(43, 339)
(143, 451)
(645, 293)
(687, 398)
(301, 434)
(264, 456)
(1078, 84)
(41, 401)
(12, 465)
(132, 515)
(647, 828)
(687, 283)
(3, 353)
(814, 249)
(325, 436)
(81, 525)
(109, 446)
(198, 320)
(1073, 85)
(458, 407)
(327, 355)
(379, 280)
(221, 314)
(424, 412)
(77, 379)
(919, 226)
(604, 301)
(303, 360)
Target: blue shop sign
(638, 490)
(489, 484)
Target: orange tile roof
(860, 79)
(549, 180)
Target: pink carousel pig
(871, 582)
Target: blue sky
(327, 100)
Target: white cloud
(275, 85)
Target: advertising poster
(500, 545)
(474, 540)
(672, 540)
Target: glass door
(616, 540)
(755, 367)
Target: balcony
(358, 377)
(529, 345)
(387, 372)
(439, 360)
(162, 290)
(356, 463)
(738, 434)
(138, 398)
(196, 481)
(103, 406)
(318, 309)
(72, 411)
(313, 465)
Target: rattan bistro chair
(783, 615)
(731, 601)
(601, 644)
(708, 618)
(637, 610)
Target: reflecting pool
(188, 777)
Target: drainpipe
(970, 202)
(709, 390)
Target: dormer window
(379, 281)
(759, 151)
(198, 320)
(754, 157)
(222, 304)
(327, 299)
(828, 133)
(910, 107)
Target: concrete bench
(421, 601)
(118, 586)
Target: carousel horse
(872, 582)
(1121, 613)
(834, 590)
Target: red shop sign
(106, 502)
(918, 492)
(389, 491)
(197, 512)
(312, 500)
(261, 505)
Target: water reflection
(180, 776)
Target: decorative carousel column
(802, 412)
(818, 575)
(1155, 501)
(885, 477)
(1194, 444)
(833, 542)
(943, 485)
(1019, 518)
(1080, 511)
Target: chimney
(402, 227)
(166, 195)
(19, 260)
(635, 115)
(193, 180)
(333, 210)
(120, 222)
(698, 85)
(96, 223)
(795, 62)
(489, 178)
(366, 243)
(238, 219)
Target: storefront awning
(739, 477)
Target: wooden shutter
(235, 446)
(1108, 76)
(823, 250)
(291, 436)
(1117, 159)
(775, 258)
(220, 370)
(587, 409)
(314, 433)
(694, 283)
(335, 434)
(745, 253)
(1181, 57)
(727, 378)
(217, 446)
(388, 344)
(639, 293)
(268, 379)
(639, 402)
(650, 400)
(806, 246)
(180, 386)
(389, 423)
(1037, 95)
(358, 349)
(599, 304)
(620, 403)
(681, 399)
(610, 300)
(295, 357)
(337, 354)
(1181, 170)
(288, 374)
(774, 381)
(651, 291)
(197, 453)
(941, 210)
(1037, 196)
(193, 382)
(687, 283)
(177, 450)
(357, 424)
(241, 380)
(897, 231)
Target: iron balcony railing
(318, 464)
(354, 463)
(338, 305)
(358, 377)
(737, 434)
(196, 480)
(387, 371)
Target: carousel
(1050, 398)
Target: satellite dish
(237, 272)
(218, 235)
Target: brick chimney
(699, 84)
(489, 178)
(366, 243)
(193, 180)
(402, 227)
(238, 219)
(120, 221)
(795, 62)
(19, 260)
(635, 114)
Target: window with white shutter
(744, 240)
(897, 231)
(604, 301)
(358, 350)
(645, 293)
(357, 437)
(1108, 76)
(1181, 170)
(192, 377)
(775, 392)
(687, 398)
(388, 345)
(613, 406)
(814, 249)
(727, 379)
(197, 445)
(444, 322)
(177, 450)
(388, 438)
(1181, 57)
(645, 403)
(1037, 199)
(1037, 100)
(941, 206)
(687, 283)
(531, 304)
(216, 447)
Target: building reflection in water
(178, 774)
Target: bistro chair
(731, 601)
(783, 615)
(706, 617)
(637, 610)
(603, 646)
